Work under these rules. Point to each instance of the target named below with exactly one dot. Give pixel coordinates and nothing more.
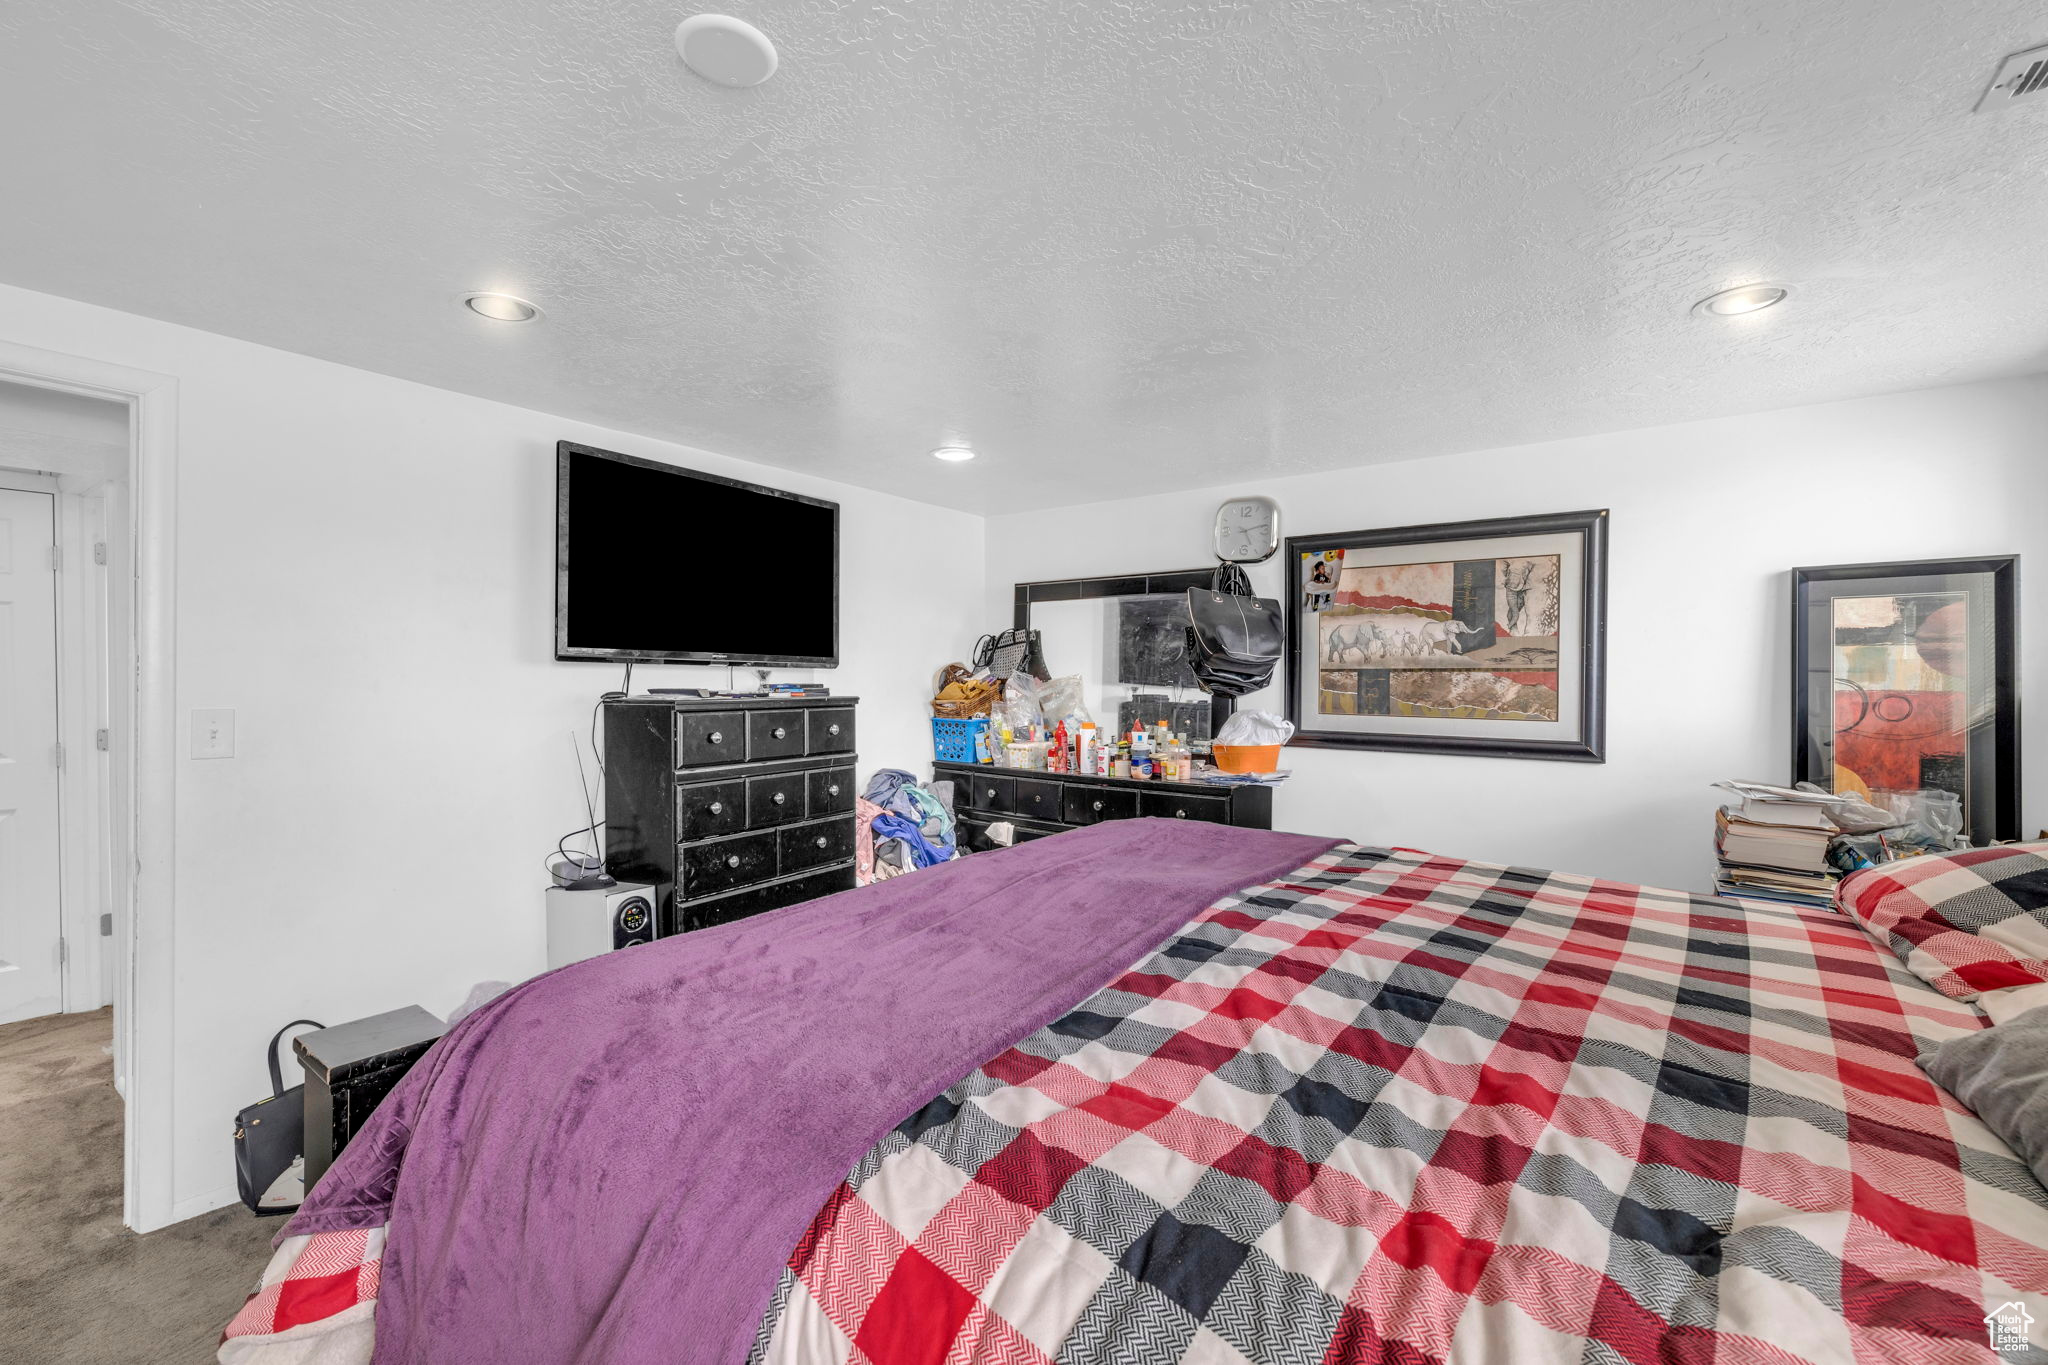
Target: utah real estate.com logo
(2008, 1326)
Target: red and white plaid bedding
(1403, 1108)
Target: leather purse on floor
(270, 1140)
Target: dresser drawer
(810, 845)
(775, 800)
(704, 737)
(726, 863)
(986, 792)
(831, 791)
(1087, 805)
(1036, 799)
(831, 730)
(973, 834)
(705, 810)
(1174, 806)
(774, 734)
(758, 899)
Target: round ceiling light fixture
(729, 51)
(953, 454)
(501, 307)
(1743, 298)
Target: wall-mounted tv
(662, 564)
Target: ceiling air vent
(2020, 76)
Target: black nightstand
(349, 1069)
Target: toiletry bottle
(1057, 755)
(1084, 748)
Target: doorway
(87, 460)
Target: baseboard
(204, 1203)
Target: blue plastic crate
(955, 741)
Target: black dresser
(729, 806)
(1039, 804)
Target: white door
(30, 919)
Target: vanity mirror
(1127, 639)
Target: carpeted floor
(77, 1288)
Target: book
(1788, 814)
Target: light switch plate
(213, 733)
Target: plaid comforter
(1409, 1109)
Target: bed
(1152, 1093)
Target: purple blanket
(612, 1162)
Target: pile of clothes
(900, 827)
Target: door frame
(145, 919)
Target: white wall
(365, 572)
(1708, 520)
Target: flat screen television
(655, 563)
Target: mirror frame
(1121, 585)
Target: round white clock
(1247, 530)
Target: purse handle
(1231, 580)
(270, 1055)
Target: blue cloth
(898, 793)
(889, 825)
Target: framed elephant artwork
(1470, 637)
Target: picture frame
(1905, 676)
(1466, 637)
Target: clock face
(1247, 530)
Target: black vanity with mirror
(1126, 637)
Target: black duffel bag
(269, 1136)
(1234, 639)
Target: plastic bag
(1060, 700)
(1255, 728)
(1019, 709)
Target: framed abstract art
(1905, 677)
(1468, 637)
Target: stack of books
(1776, 850)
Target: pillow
(2001, 1074)
(1966, 923)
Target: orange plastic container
(1248, 758)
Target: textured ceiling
(1115, 245)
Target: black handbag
(1011, 652)
(270, 1135)
(1235, 640)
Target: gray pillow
(2001, 1073)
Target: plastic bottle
(1056, 756)
(1084, 748)
(1141, 756)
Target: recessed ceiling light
(1744, 298)
(500, 307)
(953, 454)
(721, 48)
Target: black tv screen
(654, 562)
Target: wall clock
(1247, 530)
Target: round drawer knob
(991, 793)
(716, 737)
(832, 790)
(733, 860)
(715, 807)
(781, 733)
(781, 797)
(821, 841)
(1098, 805)
(1180, 815)
(832, 729)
